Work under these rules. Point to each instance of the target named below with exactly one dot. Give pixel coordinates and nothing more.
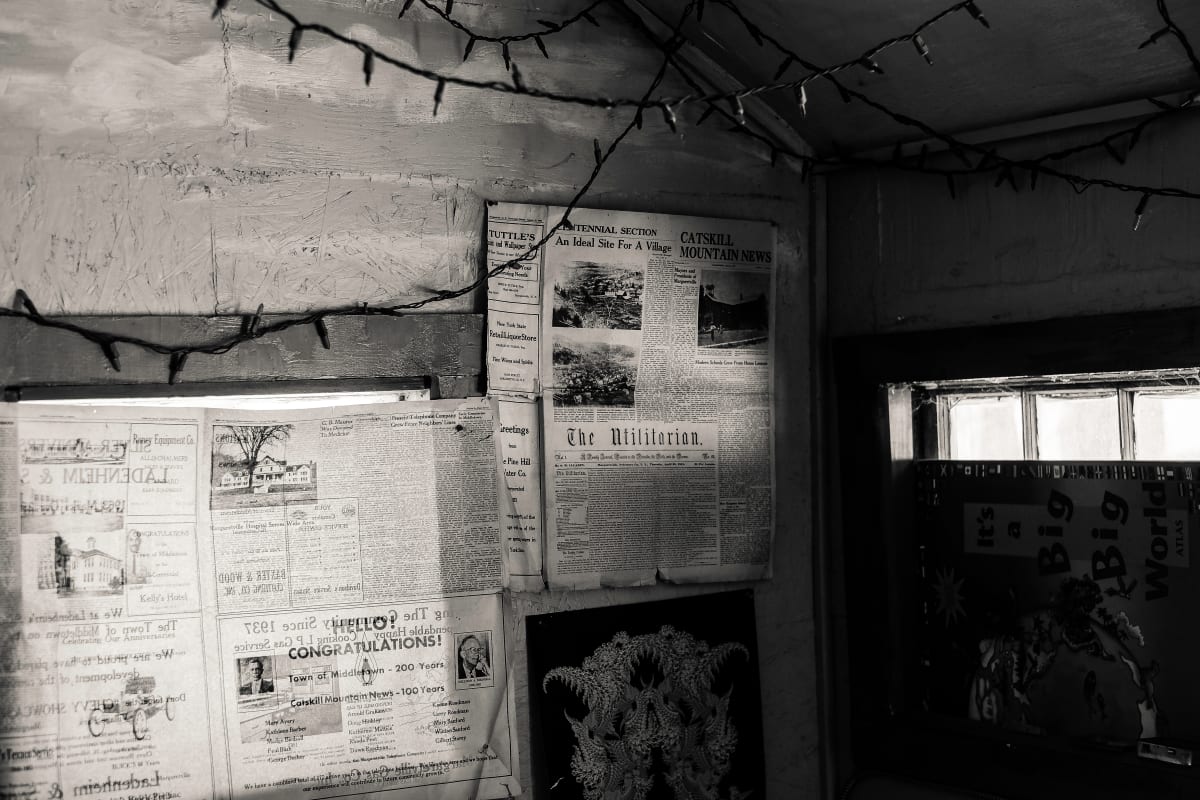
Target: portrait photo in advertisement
(280, 698)
(257, 676)
(473, 659)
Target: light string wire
(252, 327)
(714, 102)
(549, 28)
(989, 160)
(372, 54)
(1169, 27)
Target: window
(1095, 388)
(1150, 416)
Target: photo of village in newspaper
(593, 373)
(592, 295)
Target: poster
(1058, 598)
(645, 340)
(301, 602)
(649, 700)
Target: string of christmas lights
(1117, 144)
(1171, 29)
(728, 105)
(989, 160)
(371, 55)
(252, 325)
(548, 28)
(668, 105)
(866, 60)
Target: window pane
(986, 428)
(1166, 427)
(1078, 428)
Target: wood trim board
(442, 351)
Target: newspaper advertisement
(369, 698)
(223, 602)
(103, 670)
(654, 368)
(514, 379)
(520, 455)
(514, 299)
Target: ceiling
(1038, 58)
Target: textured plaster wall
(155, 161)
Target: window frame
(881, 430)
(1125, 386)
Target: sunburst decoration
(949, 596)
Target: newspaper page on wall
(514, 312)
(104, 663)
(650, 349)
(206, 604)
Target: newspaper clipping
(199, 604)
(649, 348)
(369, 698)
(103, 666)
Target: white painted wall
(155, 161)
